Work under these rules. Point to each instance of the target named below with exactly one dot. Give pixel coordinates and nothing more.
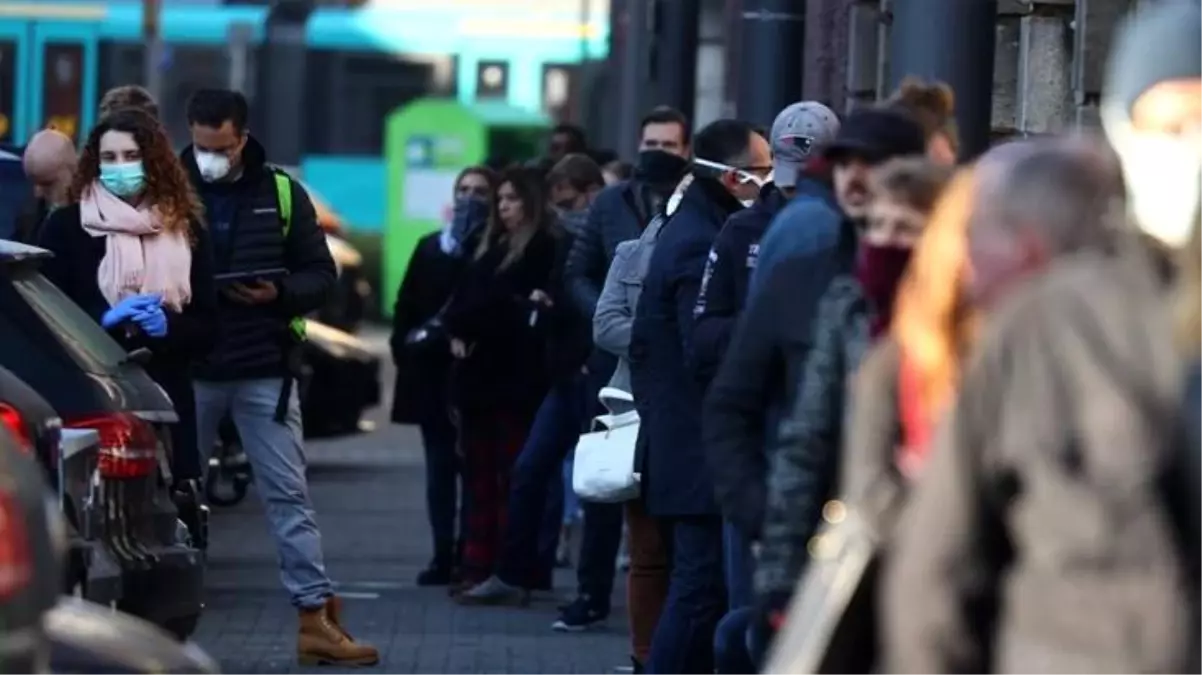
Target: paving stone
(368, 492)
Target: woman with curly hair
(131, 250)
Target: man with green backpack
(272, 267)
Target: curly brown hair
(168, 190)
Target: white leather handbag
(604, 467)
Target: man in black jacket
(619, 213)
(676, 484)
(250, 372)
(762, 367)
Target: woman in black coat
(499, 377)
(422, 355)
(132, 251)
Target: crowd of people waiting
(825, 318)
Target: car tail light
(128, 445)
(16, 564)
(12, 420)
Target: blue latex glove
(152, 321)
(128, 307)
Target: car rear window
(95, 350)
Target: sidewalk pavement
(368, 492)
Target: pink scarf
(138, 256)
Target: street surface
(368, 491)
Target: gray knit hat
(1157, 44)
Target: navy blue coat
(676, 480)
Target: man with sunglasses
(677, 488)
(797, 133)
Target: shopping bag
(603, 470)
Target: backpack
(283, 194)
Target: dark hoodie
(248, 235)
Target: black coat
(724, 286)
(618, 213)
(491, 312)
(190, 333)
(760, 374)
(248, 235)
(422, 368)
(676, 479)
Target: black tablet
(250, 277)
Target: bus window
(8, 88)
(63, 88)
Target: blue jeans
(442, 486)
(535, 480)
(277, 458)
(684, 638)
(571, 502)
(732, 639)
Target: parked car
(148, 564)
(88, 638)
(352, 295)
(67, 459)
(30, 551)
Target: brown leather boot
(322, 641)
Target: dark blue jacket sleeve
(716, 310)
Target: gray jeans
(277, 458)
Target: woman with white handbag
(647, 580)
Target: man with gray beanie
(1055, 525)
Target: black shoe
(636, 667)
(435, 575)
(581, 615)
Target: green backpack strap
(283, 193)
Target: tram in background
(58, 56)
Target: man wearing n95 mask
(280, 269)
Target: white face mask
(1164, 178)
(212, 166)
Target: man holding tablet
(272, 267)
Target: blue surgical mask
(123, 180)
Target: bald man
(49, 162)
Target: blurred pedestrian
(251, 373)
(131, 249)
(933, 105)
(1031, 497)
(616, 171)
(537, 476)
(421, 352)
(619, 213)
(676, 483)
(128, 96)
(499, 375)
(855, 310)
(565, 139)
(49, 162)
